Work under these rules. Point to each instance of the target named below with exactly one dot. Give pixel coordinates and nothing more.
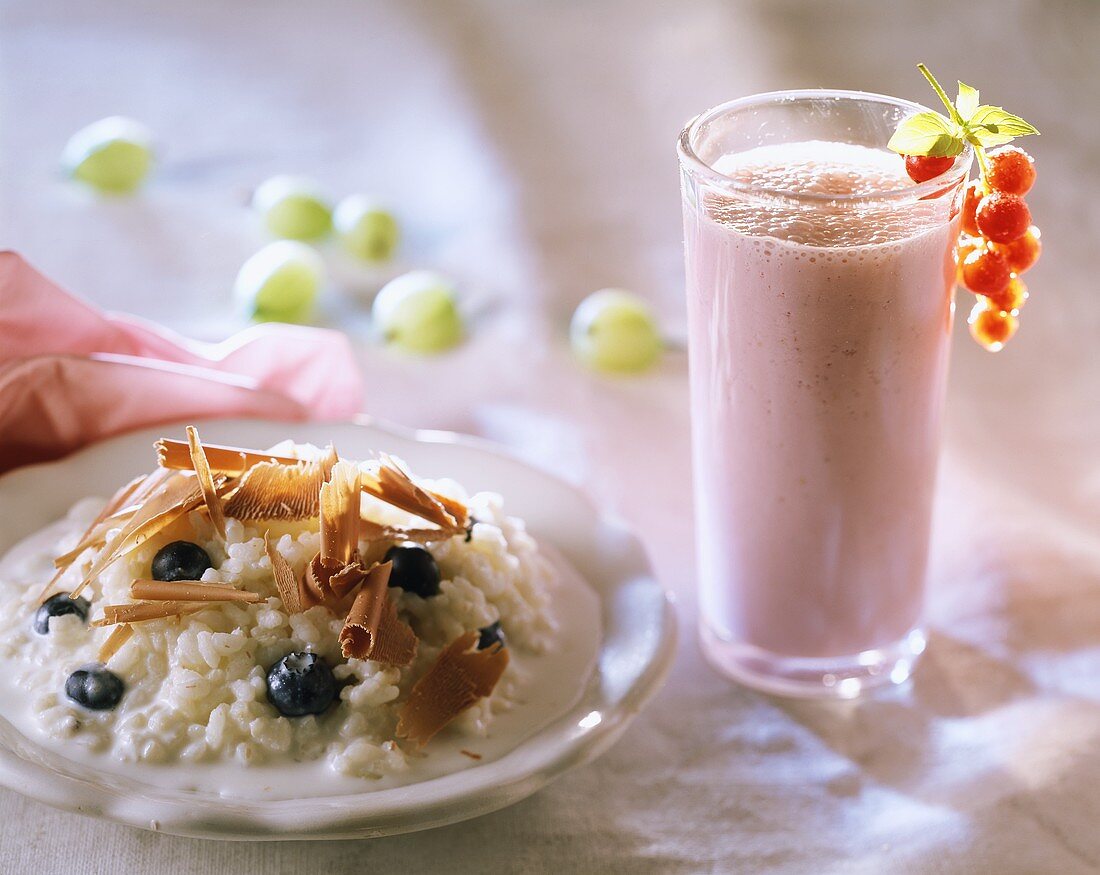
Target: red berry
(1011, 298)
(921, 168)
(965, 245)
(1022, 253)
(971, 198)
(963, 248)
(1011, 170)
(1002, 217)
(985, 272)
(990, 327)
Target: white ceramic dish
(638, 640)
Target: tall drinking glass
(820, 285)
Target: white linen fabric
(528, 147)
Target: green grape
(293, 208)
(280, 282)
(613, 330)
(366, 228)
(111, 155)
(418, 312)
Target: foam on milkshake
(822, 170)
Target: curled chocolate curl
(206, 481)
(286, 581)
(457, 679)
(231, 461)
(336, 571)
(394, 485)
(164, 497)
(140, 612)
(330, 587)
(119, 636)
(189, 591)
(373, 532)
(372, 629)
(340, 515)
(280, 490)
(117, 510)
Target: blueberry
(94, 687)
(490, 635)
(301, 683)
(58, 606)
(414, 570)
(180, 560)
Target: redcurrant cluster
(998, 241)
(997, 244)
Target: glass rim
(690, 160)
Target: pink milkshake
(820, 297)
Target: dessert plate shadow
(634, 654)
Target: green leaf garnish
(927, 133)
(992, 126)
(967, 101)
(938, 136)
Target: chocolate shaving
(96, 536)
(140, 612)
(372, 629)
(345, 581)
(458, 511)
(167, 498)
(314, 589)
(330, 587)
(371, 531)
(190, 591)
(119, 636)
(206, 481)
(457, 679)
(51, 587)
(285, 579)
(335, 572)
(114, 511)
(394, 485)
(340, 515)
(231, 461)
(279, 491)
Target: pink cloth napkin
(71, 374)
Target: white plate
(639, 631)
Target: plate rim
(264, 820)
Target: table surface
(529, 150)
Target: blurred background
(527, 148)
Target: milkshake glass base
(843, 677)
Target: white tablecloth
(529, 148)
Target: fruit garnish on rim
(998, 241)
